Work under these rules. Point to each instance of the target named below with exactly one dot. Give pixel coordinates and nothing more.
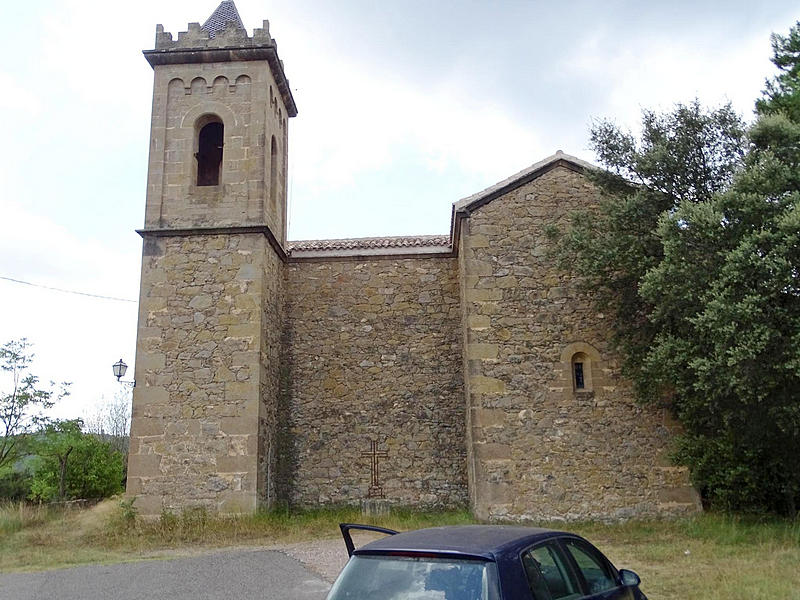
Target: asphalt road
(239, 575)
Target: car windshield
(415, 578)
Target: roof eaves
(536, 170)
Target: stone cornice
(231, 230)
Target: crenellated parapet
(230, 44)
(198, 37)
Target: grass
(17, 516)
(110, 532)
(195, 527)
(708, 556)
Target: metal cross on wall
(375, 489)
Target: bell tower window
(209, 152)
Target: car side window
(549, 577)
(595, 569)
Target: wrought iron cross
(375, 489)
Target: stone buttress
(211, 300)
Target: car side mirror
(629, 578)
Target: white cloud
(661, 72)
(17, 99)
(355, 121)
(76, 338)
(34, 247)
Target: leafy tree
(73, 464)
(19, 407)
(15, 484)
(726, 301)
(714, 286)
(53, 445)
(682, 157)
(782, 94)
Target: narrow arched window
(273, 175)
(209, 153)
(580, 381)
(581, 372)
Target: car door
(598, 577)
(550, 574)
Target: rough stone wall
(539, 448)
(374, 354)
(243, 96)
(272, 318)
(201, 364)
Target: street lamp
(120, 368)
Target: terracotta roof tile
(374, 243)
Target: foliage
(72, 464)
(682, 157)
(15, 484)
(126, 516)
(710, 272)
(20, 406)
(782, 94)
(726, 300)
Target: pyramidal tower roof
(218, 21)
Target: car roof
(484, 541)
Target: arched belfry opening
(210, 136)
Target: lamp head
(119, 369)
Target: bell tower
(218, 148)
(211, 300)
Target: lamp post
(120, 368)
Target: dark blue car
(480, 562)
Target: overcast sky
(404, 108)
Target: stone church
(428, 371)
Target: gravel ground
(324, 557)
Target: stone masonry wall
(538, 447)
(201, 364)
(272, 318)
(243, 96)
(374, 355)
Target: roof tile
(218, 21)
(417, 241)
